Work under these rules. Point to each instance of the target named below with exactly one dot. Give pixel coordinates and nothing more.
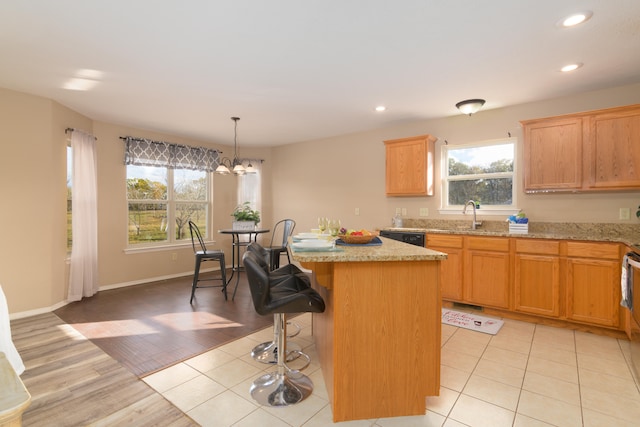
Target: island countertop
(390, 250)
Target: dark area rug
(152, 326)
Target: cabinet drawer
(445, 241)
(533, 246)
(488, 243)
(593, 250)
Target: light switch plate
(624, 213)
(424, 211)
(404, 211)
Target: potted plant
(244, 217)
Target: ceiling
(296, 70)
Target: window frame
(171, 209)
(447, 209)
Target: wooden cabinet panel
(451, 268)
(590, 151)
(590, 297)
(553, 154)
(486, 271)
(593, 250)
(614, 147)
(410, 166)
(537, 284)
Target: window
(159, 197)
(482, 172)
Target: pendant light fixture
(470, 106)
(227, 165)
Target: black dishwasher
(412, 237)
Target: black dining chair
(279, 242)
(204, 255)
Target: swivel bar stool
(267, 352)
(282, 387)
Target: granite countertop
(390, 250)
(596, 232)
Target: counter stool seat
(280, 295)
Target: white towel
(629, 261)
(6, 344)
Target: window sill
(482, 211)
(161, 248)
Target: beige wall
(332, 177)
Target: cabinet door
(409, 166)
(537, 284)
(486, 272)
(593, 291)
(613, 139)
(552, 154)
(451, 268)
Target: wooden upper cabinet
(409, 166)
(613, 139)
(591, 151)
(553, 154)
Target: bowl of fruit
(356, 237)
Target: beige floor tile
(524, 329)
(553, 369)
(494, 392)
(524, 421)
(560, 338)
(554, 354)
(222, 410)
(261, 418)
(469, 336)
(552, 387)
(500, 373)
(549, 410)
(209, 360)
(597, 345)
(510, 342)
(626, 408)
(506, 357)
(617, 368)
(300, 413)
(194, 392)
(444, 403)
(430, 419)
(608, 383)
(453, 378)
(597, 419)
(461, 346)
(324, 418)
(170, 377)
(240, 346)
(478, 413)
(453, 423)
(455, 359)
(233, 373)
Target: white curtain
(83, 278)
(250, 190)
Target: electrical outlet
(424, 211)
(174, 256)
(357, 211)
(404, 211)
(624, 213)
(398, 211)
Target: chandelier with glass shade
(234, 166)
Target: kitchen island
(378, 340)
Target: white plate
(315, 244)
(306, 236)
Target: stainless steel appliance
(412, 237)
(631, 299)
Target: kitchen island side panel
(379, 339)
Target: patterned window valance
(144, 152)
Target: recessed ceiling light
(80, 84)
(380, 108)
(570, 67)
(575, 19)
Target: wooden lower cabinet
(592, 283)
(537, 277)
(451, 268)
(487, 271)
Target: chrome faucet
(475, 223)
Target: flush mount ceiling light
(570, 67)
(470, 106)
(575, 19)
(380, 108)
(227, 165)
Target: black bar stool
(206, 255)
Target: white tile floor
(526, 375)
